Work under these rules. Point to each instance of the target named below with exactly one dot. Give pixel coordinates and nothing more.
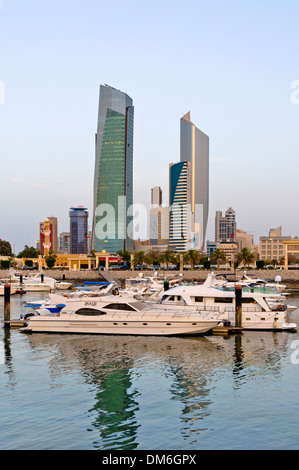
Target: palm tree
(140, 257)
(154, 255)
(217, 256)
(192, 257)
(168, 257)
(245, 256)
(125, 255)
(50, 259)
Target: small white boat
(14, 289)
(122, 316)
(59, 285)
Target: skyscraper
(180, 226)
(78, 230)
(49, 225)
(195, 149)
(225, 227)
(156, 196)
(159, 219)
(113, 176)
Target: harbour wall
(290, 277)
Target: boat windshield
(138, 305)
(252, 289)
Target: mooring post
(42, 277)
(238, 313)
(6, 305)
(166, 284)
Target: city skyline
(239, 93)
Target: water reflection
(137, 391)
(113, 367)
(8, 357)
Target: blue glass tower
(78, 230)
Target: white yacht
(13, 289)
(29, 284)
(260, 311)
(272, 291)
(53, 283)
(147, 285)
(120, 315)
(251, 281)
(55, 302)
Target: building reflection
(121, 372)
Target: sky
(231, 64)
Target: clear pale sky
(231, 64)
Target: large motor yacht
(114, 314)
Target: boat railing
(245, 309)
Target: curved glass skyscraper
(113, 176)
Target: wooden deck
(15, 323)
(226, 330)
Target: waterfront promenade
(290, 277)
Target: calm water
(137, 393)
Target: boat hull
(119, 327)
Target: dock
(15, 323)
(226, 330)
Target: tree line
(191, 257)
(156, 257)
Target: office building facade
(273, 247)
(194, 147)
(78, 230)
(113, 176)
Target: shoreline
(290, 278)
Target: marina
(135, 392)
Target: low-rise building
(272, 247)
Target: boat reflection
(133, 377)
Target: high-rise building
(113, 175)
(65, 242)
(225, 226)
(78, 230)
(195, 149)
(156, 196)
(159, 219)
(180, 215)
(48, 235)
